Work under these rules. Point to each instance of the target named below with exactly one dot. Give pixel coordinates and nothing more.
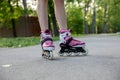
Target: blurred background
(18, 18)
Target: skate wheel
(77, 54)
(47, 55)
(50, 56)
(68, 54)
(85, 52)
(60, 54)
(43, 56)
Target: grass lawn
(21, 41)
(29, 41)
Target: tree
(114, 16)
(12, 19)
(9, 12)
(86, 7)
(25, 7)
(74, 17)
(52, 18)
(105, 18)
(93, 17)
(25, 14)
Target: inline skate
(47, 45)
(70, 46)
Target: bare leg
(60, 14)
(46, 41)
(43, 14)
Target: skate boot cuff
(46, 31)
(45, 34)
(65, 30)
(46, 39)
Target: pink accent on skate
(45, 34)
(74, 42)
(48, 44)
(65, 35)
(64, 30)
(46, 31)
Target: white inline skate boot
(47, 44)
(69, 45)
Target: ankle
(46, 34)
(64, 35)
(64, 30)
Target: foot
(67, 40)
(46, 41)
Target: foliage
(21, 41)
(114, 16)
(6, 14)
(74, 18)
(75, 14)
(18, 42)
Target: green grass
(78, 35)
(117, 34)
(24, 41)
(29, 41)
(21, 41)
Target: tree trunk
(55, 26)
(85, 21)
(13, 27)
(26, 16)
(25, 8)
(105, 13)
(94, 19)
(53, 19)
(49, 23)
(12, 20)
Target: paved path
(102, 63)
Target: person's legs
(46, 41)
(43, 14)
(65, 34)
(60, 14)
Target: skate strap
(69, 40)
(46, 39)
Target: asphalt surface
(102, 62)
